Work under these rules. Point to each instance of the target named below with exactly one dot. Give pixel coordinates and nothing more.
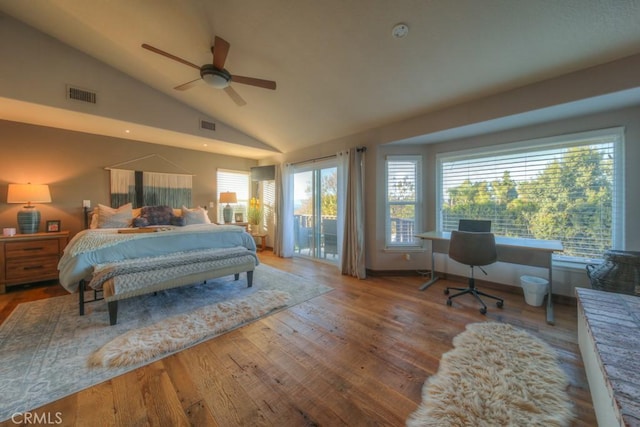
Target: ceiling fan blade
(170, 56)
(220, 50)
(252, 81)
(235, 96)
(188, 85)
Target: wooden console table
(263, 240)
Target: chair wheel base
(446, 291)
(500, 304)
(483, 310)
(449, 302)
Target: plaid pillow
(157, 215)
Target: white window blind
(566, 188)
(237, 182)
(268, 203)
(403, 199)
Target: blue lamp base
(28, 220)
(227, 214)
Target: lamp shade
(228, 197)
(29, 216)
(28, 193)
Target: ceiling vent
(81, 95)
(204, 124)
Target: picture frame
(53, 226)
(239, 217)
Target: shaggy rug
(48, 351)
(496, 375)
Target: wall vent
(204, 124)
(82, 95)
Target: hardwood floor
(357, 355)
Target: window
(238, 182)
(403, 200)
(566, 188)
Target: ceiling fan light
(219, 79)
(215, 80)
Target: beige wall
(73, 164)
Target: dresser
(27, 258)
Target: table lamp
(28, 216)
(228, 197)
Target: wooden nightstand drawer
(31, 249)
(28, 258)
(32, 267)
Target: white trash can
(535, 288)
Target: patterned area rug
(497, 375)
(45, 346)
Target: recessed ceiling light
(400, 30)
(127, 131)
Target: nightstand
(28, 258)
(263, 240)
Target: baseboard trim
(500, 287)
(400, 273)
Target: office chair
(474, 250)
(477, 225)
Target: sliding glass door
(315, 211)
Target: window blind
(238, 182)
(566, 188)
(402, 199)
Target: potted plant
(255, 214)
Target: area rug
(46, 347)
(496, 375)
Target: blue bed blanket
(100, 246)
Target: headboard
(87, 216)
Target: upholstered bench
(133, 277)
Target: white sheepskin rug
(182, 331)
(496, 375)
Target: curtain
(351, 169)
(283, 236)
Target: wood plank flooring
(357, 355)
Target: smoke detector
(400, 30)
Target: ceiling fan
(215, 74)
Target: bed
(123, 262)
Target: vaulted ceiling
(339, 70)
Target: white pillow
(114, 218)
(94, 219)
(195, 216)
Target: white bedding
(99, 246)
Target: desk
(513, 250)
